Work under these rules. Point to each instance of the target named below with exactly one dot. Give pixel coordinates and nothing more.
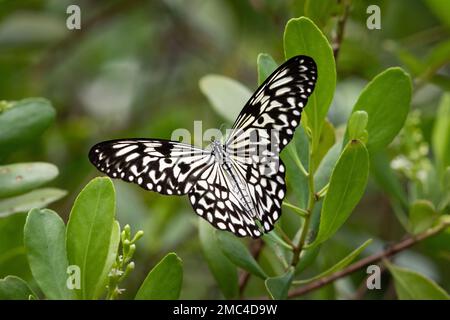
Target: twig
(337, 40)
(392, 250)
(297, 250)
(256, 249)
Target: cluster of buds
(123, 265)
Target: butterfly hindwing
(164, 166)
(214, 199)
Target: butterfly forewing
(164, 166)
(270, 117)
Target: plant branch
(297, 250)
(392, 250)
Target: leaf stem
(301, 212)
(323, 191)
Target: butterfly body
(237, 185)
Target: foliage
(369, 165)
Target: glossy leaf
(411, 285)
(44, 237)
(340, 265)
(110, 258)
(227, 96)
(24, 121)
(386, 100)
(13, 259)
(422, 215)
(38, 198)
(164, 280)
(89, 234)
(302, 36)
(441, 133)
(14, 288)
(19, 178)
(357, 126)
(278, 287)
(307, 257)
(347, 185)
(238, 253)
(323, 172)
(222, 269)
(295, 156)
(326, 141)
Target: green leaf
(441, 133)
(222, 269)
(323, 172)
(19, 178)
(422, 216)
(88, 235)
(44, 238)
(13, 259)
(307, 257)
(266, 65)
(164, 280)
(278, 287)
(386, 100)
(14, 288)
(326, 141)
(411, 285)
(303, 37)
(347, 185)
(238, 253)
(357, 126)
(295, 156)
(444, 203)
(24, 121)
(34, 199)
(340, 265)
(227, 96)
(110, 258)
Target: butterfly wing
(164, 166)
(266, 188)
(264, 127)
(215, 198)
(273, 113)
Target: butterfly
(237, 185)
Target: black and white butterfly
(237, 185)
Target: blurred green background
(133, 71)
